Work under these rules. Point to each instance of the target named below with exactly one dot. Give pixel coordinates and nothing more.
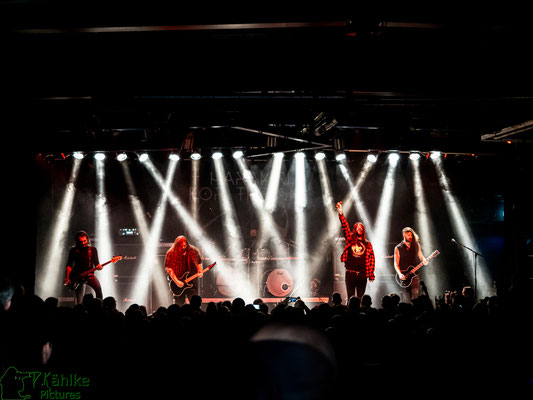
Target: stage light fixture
(196, 156)
(99, 156)
(143, 157)
(372, 158)
(122, 157)
(238, 154)
(217, 155)
(435, 155)
(78, 155)
(173, 157)
(340, 157)
(414, 156)
(279, 155)
(299, 155)
(320, 155)
(394, 157)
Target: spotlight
(122, 157)
(279, 155)
(99, 156)
(238, 154)
(196, 156)
(173, 157)
(299, 155)
(217, 155)
(143, 157)
(414, 156)
(340, 157)
(372, 158)
(320, 156)
(394, 157)
(435, 155)
(78, 155)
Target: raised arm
(344, 223)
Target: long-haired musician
(183, 257)
(357, 256)
(408, 253)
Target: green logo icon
(20, 385)
(12, 385)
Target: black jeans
(355, 280)
(412, 292)
(94, 283)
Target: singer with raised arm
(406, 254)
(357, 256)
(181, 258)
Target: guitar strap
(89, 251)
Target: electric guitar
(410, 273)
(76, 279)
(185, 278)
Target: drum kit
(276, 280)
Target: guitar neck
(190, 278)
(422, 263)
(90, 271)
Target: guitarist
(407, 253)
(180, 258)
(82, 257)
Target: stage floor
(271, 301)
(306, 300)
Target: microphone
(456, 242)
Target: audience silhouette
(285, 350)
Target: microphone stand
(475, 262)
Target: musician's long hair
(174, 247)
(409, 229)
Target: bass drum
(278, 282)
(231, 283)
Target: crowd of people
(278, 350)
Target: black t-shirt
(82, 258)
(408, 256)
(356, 258)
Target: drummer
(252, 242)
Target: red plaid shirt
(370, 259)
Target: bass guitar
(185, 278)
(410, 273)
(76, 279)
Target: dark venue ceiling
(132, 75)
